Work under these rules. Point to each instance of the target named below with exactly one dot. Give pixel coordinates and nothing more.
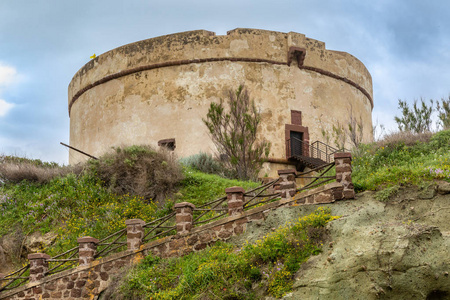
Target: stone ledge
(234, 189)
(343, 155)
(184, 204)
(87, 239)
(134, 222)
(38, 256)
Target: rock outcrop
(398, 249)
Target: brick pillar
(87, 249)
(135, 233)
(235, 198)
(184, 217)
(38, 266)
(343, 162)
(288, 186)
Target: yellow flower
(93, 56)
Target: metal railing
(318, 175)
(316, 149)
(14, 279)
(323, 151)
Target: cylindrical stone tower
(158, 90)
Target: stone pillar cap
(38, 256)
(184, 204)
(87, 239)
(235, 189)
(287, 171)
(343, 155)
(134, 222)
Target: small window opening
(167, 143)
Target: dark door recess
(296, 143)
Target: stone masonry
(287, 184)
(343, 162)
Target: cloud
(5, 107)
(8, 75)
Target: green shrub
(416, 119)
(139, 171)
(71, 206)
(233, 129)
(441, 140)
(205, 163)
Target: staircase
(312, 156)
(310, 162)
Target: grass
(199, 188)
(396, 163)
(75, 206)
(226, 272)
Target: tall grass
(402, 160)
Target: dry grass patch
(16, 169)
(407, 138)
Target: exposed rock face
(37, 242)
(10, 251)
(444, 188)
(394, 250)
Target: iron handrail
(316, 149)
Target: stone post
(87, 247)
(135, 233)
(343, 163)
(235, 198)
(288, 186)
(184, 211)
(38, 266)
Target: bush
(441, 140)
(16, 169)
(407, 138)
(416, 119)
(139, 171)
(205, 163)
(234, 133)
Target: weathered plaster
(161, 88)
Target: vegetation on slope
(78, 205)
(226, 272)
(36, 196)
(402, 158)
(223, 271)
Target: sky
(405, 45)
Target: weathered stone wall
(161, 88)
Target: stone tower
(157, 91)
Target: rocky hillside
(398, 249)
(392, 249)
